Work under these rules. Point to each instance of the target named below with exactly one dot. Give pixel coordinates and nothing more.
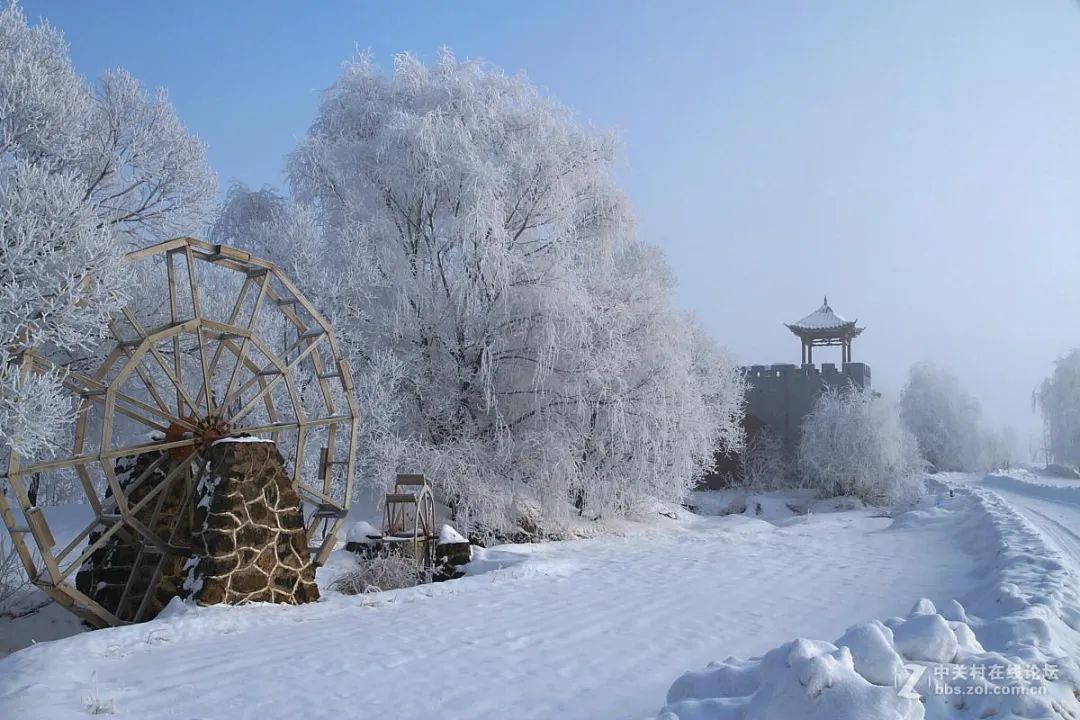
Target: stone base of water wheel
(248, 543)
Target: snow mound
(805, 679)
(873, 653)
(448, 535)
(1014, 656)
(361, 532)
(926, 637)
(872, 671)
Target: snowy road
(576, 630)
(1051, 506)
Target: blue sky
(917, 161)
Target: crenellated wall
(781, 395)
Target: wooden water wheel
(409, 519)
(226, 346)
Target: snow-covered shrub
(1058, 397)
(762, 463)
(854, 443)
(510, 336)
(82, 171)
(94, 703)
(385, 570)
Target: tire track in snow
(1056, 533)
(1053, 515)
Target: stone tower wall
(780, 396)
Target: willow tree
(85, 171)
(512, 338)
(944, 419)
(1058, 397)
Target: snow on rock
(448, 535)
(1014, 655)
(361, 532)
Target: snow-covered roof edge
(824, 318)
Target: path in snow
(1052, 507)
(579, 630)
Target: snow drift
(1013, 655)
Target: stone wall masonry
(249, 543)
(781, 395)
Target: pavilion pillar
(825, 328)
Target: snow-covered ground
(593, 628)
(1011, 650)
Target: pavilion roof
(822, 319)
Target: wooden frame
(409, 517)
(223, 378)
(827, 338)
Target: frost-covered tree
(83, 170)
(1058, 397)
(855, 443)
(944, 419)
(999, 448)
(511, 339)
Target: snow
(1024, 620)
(875, 658)
(361, 532)
(983, 572)
(448, 535)
(244, 439)
(581, 629)
(41, 620)
(803, 679)
(926, 637)
(778, 508)
(822, 319)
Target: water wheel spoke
(96, 391)
(283, 372)
(233, 314)
(143, 375)
(241, 354)
(196, 308)
(175, 378)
